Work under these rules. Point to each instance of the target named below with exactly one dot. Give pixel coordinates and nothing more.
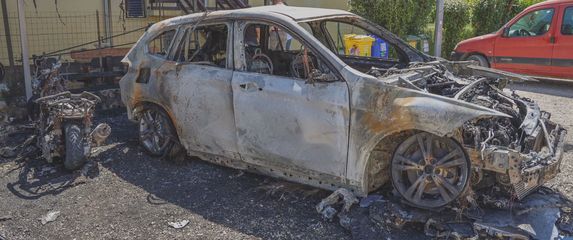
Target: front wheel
(479, 60)
(75, 155)
(430, 171)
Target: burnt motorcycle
(65, 127)
(63, 119)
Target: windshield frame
(413, 54)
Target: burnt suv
(276, 90)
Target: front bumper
(456, 56)
(523, 173)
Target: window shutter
(135, 8)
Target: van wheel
(157, 134)
(430, 171)
(479, 59)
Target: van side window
(567, 27)
(159, 46)
(206, 45)
(533, 24)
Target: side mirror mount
(505, 32)
(318, 76)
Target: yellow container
(358, 45)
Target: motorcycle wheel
(75, 156)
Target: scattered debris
(8, 152)
(325, 207)
(100, 134)
(50, 217)
(178, 225)
(545, 214)
(125, 150)
(46, 170)
(368, 200)
(241, 173)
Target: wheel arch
(378, 157)
(468, 54)
(141, 105)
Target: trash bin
(420, 42)
(358, 45)
(379, 48)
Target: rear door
(526, 46)
(563, 52)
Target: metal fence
(59, 33)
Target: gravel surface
(128, 195)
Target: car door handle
(250, 86)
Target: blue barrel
(379, 48)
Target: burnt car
(276, 90)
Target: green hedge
(401, 17)
(456, 18)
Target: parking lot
(128, 195)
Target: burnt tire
(157, 135)
(75, 157)
(430, 171)
(479, 59)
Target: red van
(538, 42)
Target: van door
(526, 44)
(562, 63)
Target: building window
(135, 8)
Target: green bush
(402, 17)
(456, 18)
(490, 15)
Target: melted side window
(270, 49)
(159, 46)
(205, 45)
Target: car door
(201, 94)
(282, 120)
(562, 62)
(526, 45)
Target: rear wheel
(157, 134)
(75, 155)
(479, 59)
(430, 171)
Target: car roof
(280, 10)
(296, 13)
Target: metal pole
(25, 53)
(107, 23)
(439, 28)
(8, 40)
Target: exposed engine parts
(523, 142)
